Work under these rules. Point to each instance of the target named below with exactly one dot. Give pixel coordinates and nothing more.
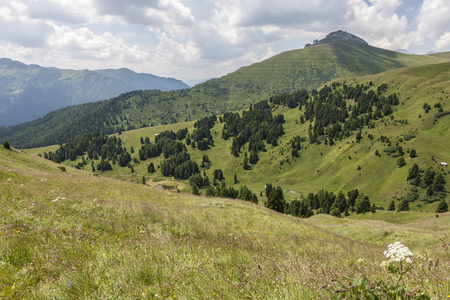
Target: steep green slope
(344, 166)
(306, 68)
(70, 235)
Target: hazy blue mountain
(143, 81)
(28, 92)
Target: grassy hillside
(69, 235)
(342, 167)
(306, 68)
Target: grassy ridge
(70, 234)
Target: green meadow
(66, 234)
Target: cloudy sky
(193, 40)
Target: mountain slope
(306, 68)
(28, 92)
(343, 166)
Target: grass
(70, 235)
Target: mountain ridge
(28, 92)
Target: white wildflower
(397, 252)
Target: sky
(194, 40)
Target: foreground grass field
(70, 235)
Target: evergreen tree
(6, 145)
(442, 207)
(143, 180)
(151, 168)
(210, 191)
(276, 200)
(412, 153)
(362, 204)
(401, 162)
(439, 183)
(245, 163)
(404, 205)
(253, 157)
(195, 190)
(268, 189)
(392, 206)
(235, 179)
(413, 172)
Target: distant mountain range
(28, 92)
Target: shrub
(6, 145)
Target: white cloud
(191, 39)
(443, 42)
(378, 23)
(84, 44)
(16, 27)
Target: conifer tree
(151, 168)
(275, 200)
(403, 206)
(442, 207)
(392, 206)
(195, 190)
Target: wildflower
(397, 252)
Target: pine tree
(210, 191)
(143, 180)
(362, 204)
(6, 145)
(392, 206)
(245, 164)
(195, 190)
(442, 207)
(235, 179)
(439, 183)
(403, 206)
(401, 162)
(276, 200)
(151, 168)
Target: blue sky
(194, 40)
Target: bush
(6, 145)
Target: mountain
(338, 36)
(143, 81)
(28, 92)
(307, 68)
